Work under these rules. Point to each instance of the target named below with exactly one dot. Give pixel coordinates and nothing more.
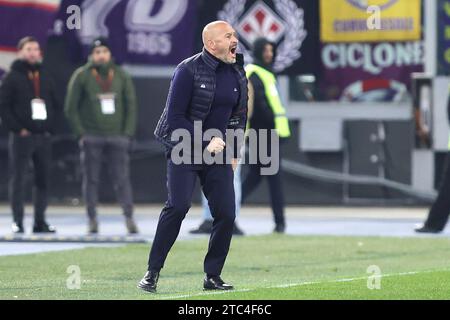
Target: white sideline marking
(185, 296)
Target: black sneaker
(237, 231)
(149, 282)
(17, 228)
(131, 226)
(425, 229)
(279, 228)
(92, 226)
(216, 283)
(43, 227)
(204, 228)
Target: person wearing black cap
(101, 109)
(267, 113)
(27, 108)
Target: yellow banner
(369, 20)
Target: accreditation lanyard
(36, 80)
(38, 107)
(107, 98)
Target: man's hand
(234, 163)
(216, 145)
(24, 133)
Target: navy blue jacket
(16, 93)
(203, 67)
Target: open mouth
(233, 50)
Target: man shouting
(210, 89)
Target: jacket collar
(23, 66)
(213, 62)
(210, 60)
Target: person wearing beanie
(27, 109)
(101, 108)
(267, 113)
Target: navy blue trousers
(217, 184)
(253, 178)
(440, 210)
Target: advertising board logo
(283, 24)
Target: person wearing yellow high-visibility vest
(440, 210)
(267, 113)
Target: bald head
(220, 39)
(213, 29)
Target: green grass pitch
(260, 267)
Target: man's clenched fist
(216, 145)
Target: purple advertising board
(443, 46)
(139, 31)
(19, 19)
(369, 71)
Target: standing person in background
(27, 108)
(101, 109)
(268, 113)
(440, 210)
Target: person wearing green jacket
(101, 109)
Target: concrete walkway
(341, 221)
